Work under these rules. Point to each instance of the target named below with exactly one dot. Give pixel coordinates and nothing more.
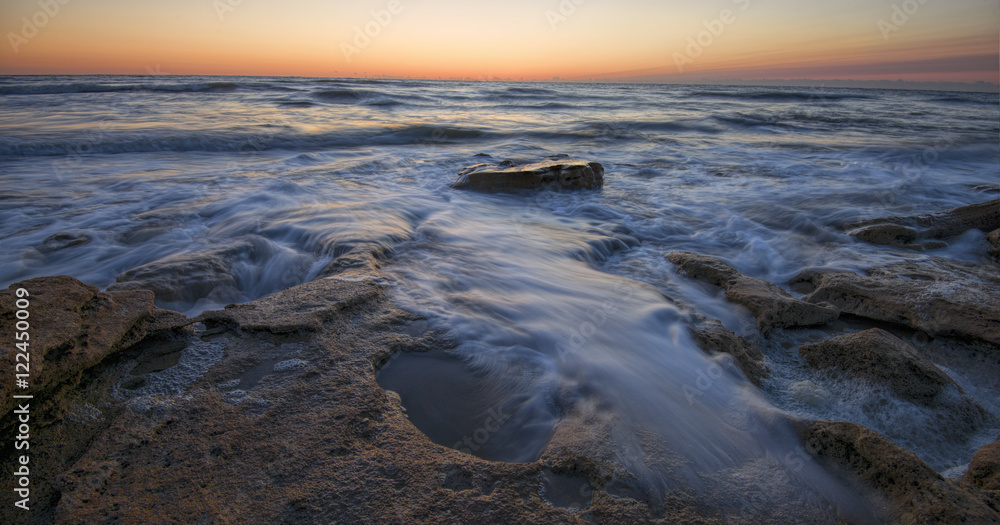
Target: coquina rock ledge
(274, 415)
(911, 491)
(937, 296)
(906, 231)
(89, 325)
(552, 175)
(770, 305)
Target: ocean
(273, 179)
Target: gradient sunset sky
(664, 40)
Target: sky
(638, 40)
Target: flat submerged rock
(550, 175)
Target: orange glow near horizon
(957, 41)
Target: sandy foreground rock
(935, 295)
(283, 422)
(91, 326)
(557, 175)
(772, 306)
(268, 412)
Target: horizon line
(978, 86)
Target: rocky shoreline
(269, 411)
